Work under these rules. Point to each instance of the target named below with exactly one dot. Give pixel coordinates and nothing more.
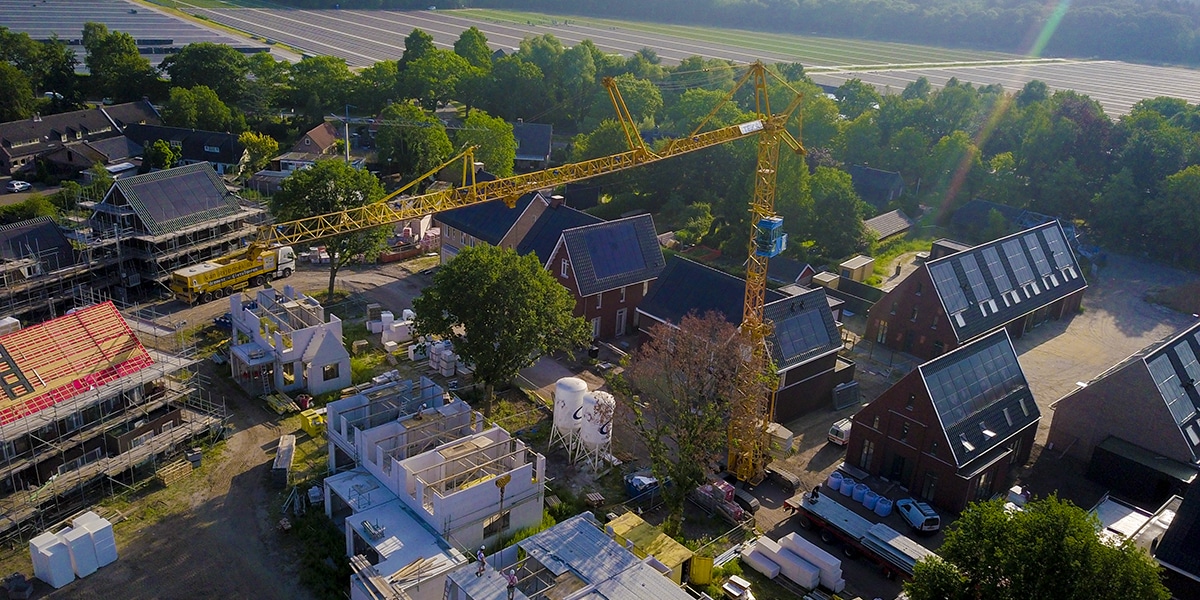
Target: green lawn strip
(803, 45)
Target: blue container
(860, 491)
(834, 482)
(883, 507)
(870, 499)
(848, 486)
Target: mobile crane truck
(223, 276)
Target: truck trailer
(207, 281)
(895, 554)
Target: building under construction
(86, 409)
(41, 269)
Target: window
(913, 317)
(496, 524)
(933, 448)
(930, 486)
(912, 398)
(596, 328)
(893, 311)
(330, 371)
(875, 423)
(645, 288)
(984, 491)
(599, 299)
(565, 267)
(938, 348)
(904, 432)
(881, 337)
(622, 295)
(289, 373)
(933, 325)
(920, 286)
(1016, 452)
(73, 422)
(141, 439)
(867, 456)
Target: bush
(324, 568)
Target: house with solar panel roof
(1015, 283)
(170, 219)
(804, 339)
(951, 430)
(1137, 425)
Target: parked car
(919, 515)
(839, 433)
(18, 186)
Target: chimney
(556, 201)
(37, 117)
(478, 166)
(520, 121)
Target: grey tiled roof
(803, 327)
(991, 284)
(889, 224)
(195, 144)
(1180, 545)
(980, 394)
(37, 237)
(875, 186)
(613, 254)
(174, 199)
(686, 286)
(543, 237)
(487, 221)
(533, 140)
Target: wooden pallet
(173, 472)
(281, 404)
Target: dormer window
(962, 439)
(987, 433)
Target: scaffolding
(106, 439)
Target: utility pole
(346, 126)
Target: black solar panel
(171, 198)
(614, 250)
(1058, 248)
(1016, 258)
(996, 269)
(970, 384)
(1171, 389)
(947, 286)
(801, 333)
(1039, 257)
(975, 278)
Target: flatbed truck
(207, 281)
(894, 553)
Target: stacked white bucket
(595, 434)
(568, 413)
(75, 551)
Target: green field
(809, 50)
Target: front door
(596, 328)
(897, 471)
(620, 330)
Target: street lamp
(346, 124)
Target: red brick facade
(609, 313)
(899, 437)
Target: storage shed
(644, 539)
(857, 268)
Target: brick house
(951, 430)
(804, 342)
(490, 222)
(21, 142)
(608, 267)
(1016, 282)
(1146, 406)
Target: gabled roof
(321, 138)
(613, 254)
(1179, 548)
(889, 224)
(130, 113)
(1175, 370)
(487, 221)
(875, 186)
(323, 343)
(546, 231)
(994, 283)
(39, 134)
(195, 144)
(803, 328)
(533, 140)
(45, 364)
(175, 199)
(38, 237)
(115, 149)
(980, 395)
(787, 271)
(685, 286)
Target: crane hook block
(511, 201)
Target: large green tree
(197, 108)
(261, 148)
(161, 155)
(1049, 550)
(220, 67)
(433, 78)
(837, 228)
(117, 70)
(501, 311)
(321, 84)
(497, 148)
(331, 186)
(472, 45)
(411, 141)
(17, 101)
(686, 378)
